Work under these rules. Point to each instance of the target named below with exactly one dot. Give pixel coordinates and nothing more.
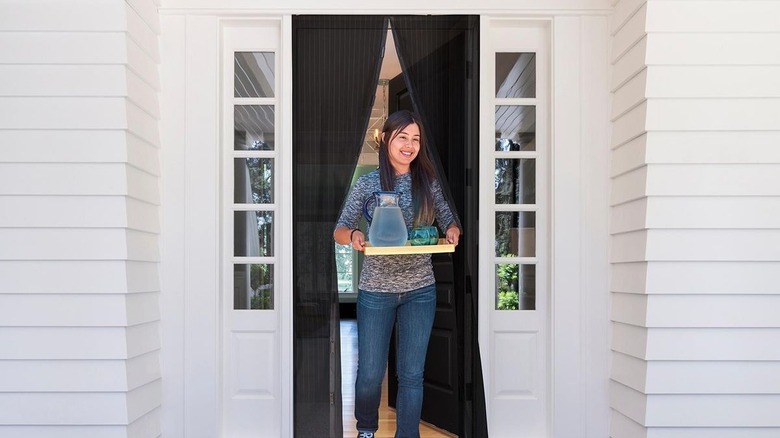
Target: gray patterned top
(394, 273)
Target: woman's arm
(447, 219)
(344, 235)
(346, 230)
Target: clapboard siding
(78, 179)
(80, 375)
(142, 276)
(142, 64)
(630, 64)
(147, 426)
(629, 125)
(63, 48)
(79, 276)
(59, 276)
(142, 94)
(697, 344)
(78, 212)
(79, 225)
(713, 114)
(713, 16)
(697, 310)
(144, 36)
(142, 123)
(62, 80)
(629, 277)
(699, 245)
(629, 216)
(65, 376)
(711, 410)
(72, 343)
(713, 48)
(696, 377)
(64, 146)
(726, 81)
(84, 310)
(629, 156)
(143, 155)
(147, 10)
(629, 186)
(695, 219)
(629, 95)
(729, 277)
(713, 147)
(741, 212)
(759, 179)
(142, 185)
(56, 15)
(623, 11)
(71, 212)
(632, 31)
(63, 113)
(68, 431)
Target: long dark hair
(421, 169)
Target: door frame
(191, 255)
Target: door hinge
(332, 399)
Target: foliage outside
(508, 276)
(262, 287)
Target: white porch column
(695, 219)
(79, 223)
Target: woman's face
(404, 147)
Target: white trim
(286, 256)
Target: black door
(444, 92)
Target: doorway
(332, 94)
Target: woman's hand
(358, 240)
(453, 235)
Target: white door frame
(191, 303)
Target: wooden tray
(443, 246)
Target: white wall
(695, 219)
(79, 229)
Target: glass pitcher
(386, 226)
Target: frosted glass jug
(386, 226)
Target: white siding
(695, 219)
(79, 226)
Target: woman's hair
(421, 169)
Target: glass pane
(254, 181)
(253, 74)
(253, 287)
(344, 262)
(515, 128)
(515, 287)
(253, 233)
(254, 127)
(515, 181)
(515, 234)
(515, 75)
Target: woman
(396, 289)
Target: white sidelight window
(252, 200)
(514, 313)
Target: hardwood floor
(348, 373)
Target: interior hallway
(349, 357)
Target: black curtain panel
(336, 61)
(439, 56)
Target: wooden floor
(348, 371)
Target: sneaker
(365, 435)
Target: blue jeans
(412, 312)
